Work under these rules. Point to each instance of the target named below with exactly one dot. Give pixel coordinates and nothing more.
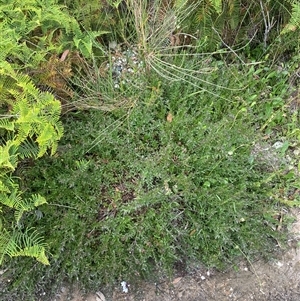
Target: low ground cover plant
(175, 179)
(170, 165)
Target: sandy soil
(278, 280)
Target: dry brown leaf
(169, 117)
(64, 55)
(176, 280)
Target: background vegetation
(180, 142)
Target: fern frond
(56, 14)
(7, 157)
(11, 200)
(38, 200)
(7, 124)
(15, 201)
(294, 22)
(7, 185)
(28, 149)
(217, 5)
(26, 205)
(22, 244)
(3, 187)
(36, 114)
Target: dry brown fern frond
(54, 75)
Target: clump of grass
(171, 180)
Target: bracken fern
(29, 126)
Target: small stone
(277, 145)
(279, 264)
(100, 297)
(124, 287)
(296, 152)
(63, 289)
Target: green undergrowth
(175, 178)
(180, 145)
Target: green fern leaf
(12, 200)
(38, 200)
(36, 251)
(46, 134)
(5, 156)
(37, 114)
(22, 206)
(28, 149)
(7, 124)
(3, 188)
(294, 23)
(217, 5)
(11, 197)
(22, 244)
